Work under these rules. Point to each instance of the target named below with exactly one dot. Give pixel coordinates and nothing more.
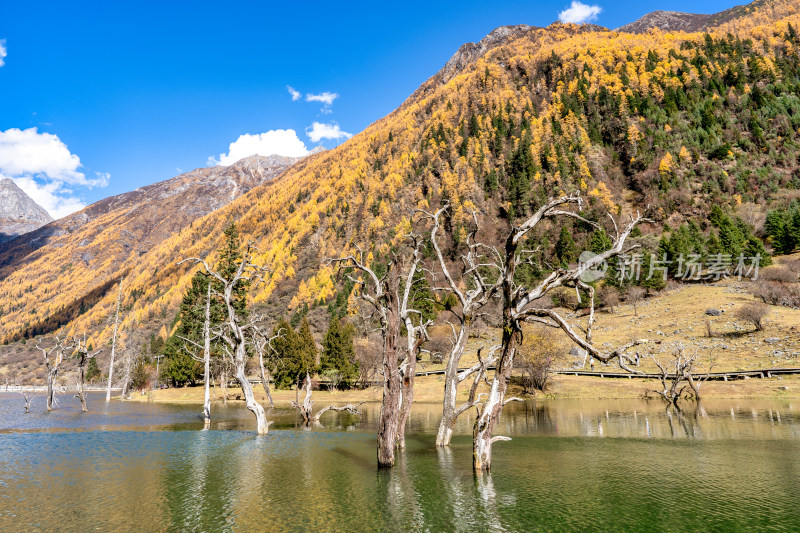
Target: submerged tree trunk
(307, 407)
(482, 438)
(407, 400)
(408, 375)
(392, 386)
(82, 356)
(207, 362)
(28, 399)
(250, 399)
(114, 343)
(51, 377)
(451, 382)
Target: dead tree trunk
(223, 384)
(53, 357)
(350, 408)
(234, 333)
(307, 407)
(416, 335)
(392, 310)
(114, 342)
(470, 302)
(83, 356)
(28, 396)
(262, 342)
(207, 361)
(679, 375)
(519, 305)
(127, 367)
(488, 414)
(392, 384)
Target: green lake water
(571, 466)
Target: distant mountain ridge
(19, 214)
(688, 22)
(107, 231)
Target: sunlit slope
(658, 119)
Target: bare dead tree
(470, 301)
(416, 335)
(520, 304)
(53, 357)
(307, 407)
(206, 359)
(83, 356)
(128, 362)
(679, 374)
(262, 342)
(28, 396)
(634, 295)
(234, 331)
(114, 341)
(350, 408)
(383, 294)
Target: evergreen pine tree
(566, 251)
(338, 353)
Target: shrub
(633, 295)
(536, 357)
(754, 313)
(609, 297)
(779, 274)
(564, 297)
(774, 293)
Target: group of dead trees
(54, 356)
(486, 273)
(236, 333)
(681, 376)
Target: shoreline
(429, 390)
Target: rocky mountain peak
(19, 214)
(470, 52)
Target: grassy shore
(429, 389)
(674, 317)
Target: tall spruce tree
(179, 366)
(295, 353)
(338, 352)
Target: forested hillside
(672, 122)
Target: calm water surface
(571, 466)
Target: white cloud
(45, 169)
(578, 13)
(273, 142)
(3, 52)
(296, 95)
(318, 131)
(326, 98)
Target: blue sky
(123, 94)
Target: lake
(571, 466)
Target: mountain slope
(19, 214)
(676, 122)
